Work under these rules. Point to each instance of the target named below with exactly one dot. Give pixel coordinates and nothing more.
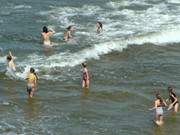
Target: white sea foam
(154, 24)
(125, 3)
(3, 59)
(22, 7)
(174, 1)
(63, 15)
(23, 75)
(66, 59)
(160, 38)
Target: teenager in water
(159, 103)
(68, 32)
(99, 26)
(173, 99)
(46, 35)
(85, 76)
(10, 62)
(31, 82)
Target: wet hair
(69, 27)
(45, 29)
(100, 24)
(159, 97)
(170, 89)
(32, 70)
(84, 65)
(9, 58)
(36, 76)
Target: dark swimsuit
(84, 76)
(172, 98)
(29, 88)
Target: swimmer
(68, 32)
(99, 26)
(158, 106)
(173, 99)
(85, 76)
(46, 35)
(10, 62)
(31, 82)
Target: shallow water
(136, 55)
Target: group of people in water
(48, 32)
(32, 77)
(171, 103)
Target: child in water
(99, 26)
(159, 103)
(31, 82)
(10, 62)
(85, 76)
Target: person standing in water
(68, 32)
(85, 76)
(46, 35)
(159, 103)
(173, 99)
(10, 62)
(31, 82)
(99, 26)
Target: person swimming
(46, 35)
(99, 26)
(31, 82)
(10, 62)
(85, 76)
(173, 99)
(68, 32)
(159, 103)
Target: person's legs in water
(87, 83)
(83, 83)
(30, 90)
(159, 120)
(176, 106)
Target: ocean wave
(126, 3)
(161, 38)
(64, 15)
(3, 59)
(22, 7)
(67, 59)
(174, 1)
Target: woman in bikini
(173, 99)
(85, 76)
